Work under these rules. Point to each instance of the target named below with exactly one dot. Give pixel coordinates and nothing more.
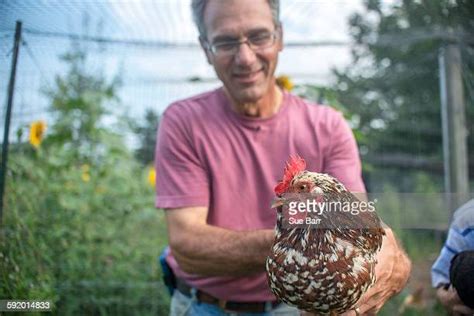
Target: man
(452, 273)
(219, 154)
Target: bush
(80, 227)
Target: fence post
(456, 171)
(11, 89)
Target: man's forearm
(218, 251)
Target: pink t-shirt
(208, 155)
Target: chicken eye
(303, 187)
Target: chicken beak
(278, 202)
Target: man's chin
(249, 99)
(247, 95)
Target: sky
(153, 75)
(304, 21)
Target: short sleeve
(342, 160)
(181, 179)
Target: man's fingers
(351, 312)
(463, 309)
(367, 309)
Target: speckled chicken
(325, 268)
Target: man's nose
(245, 55)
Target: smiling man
(242, 41)
(220, 153)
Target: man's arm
(447, 295)
(454, 243)
(203, 249)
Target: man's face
(247, 75)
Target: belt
(240, 307)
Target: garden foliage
(80, 227)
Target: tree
(79, 102)
(392, 88)
(147, 137)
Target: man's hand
(451, 301)
(392, 272)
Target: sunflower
(284, 82)
(152, 177)
(85, 176)
(37, 130)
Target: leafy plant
(80, 227)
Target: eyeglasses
(256, 43)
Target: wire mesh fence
(158, 61)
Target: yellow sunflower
(37, 130)
(284, 82)
(152, 177)
(85, 176)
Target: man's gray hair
(198, 7)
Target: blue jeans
(182, 305)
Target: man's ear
(203, 44)
(280, 38)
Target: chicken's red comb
(294, 165)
